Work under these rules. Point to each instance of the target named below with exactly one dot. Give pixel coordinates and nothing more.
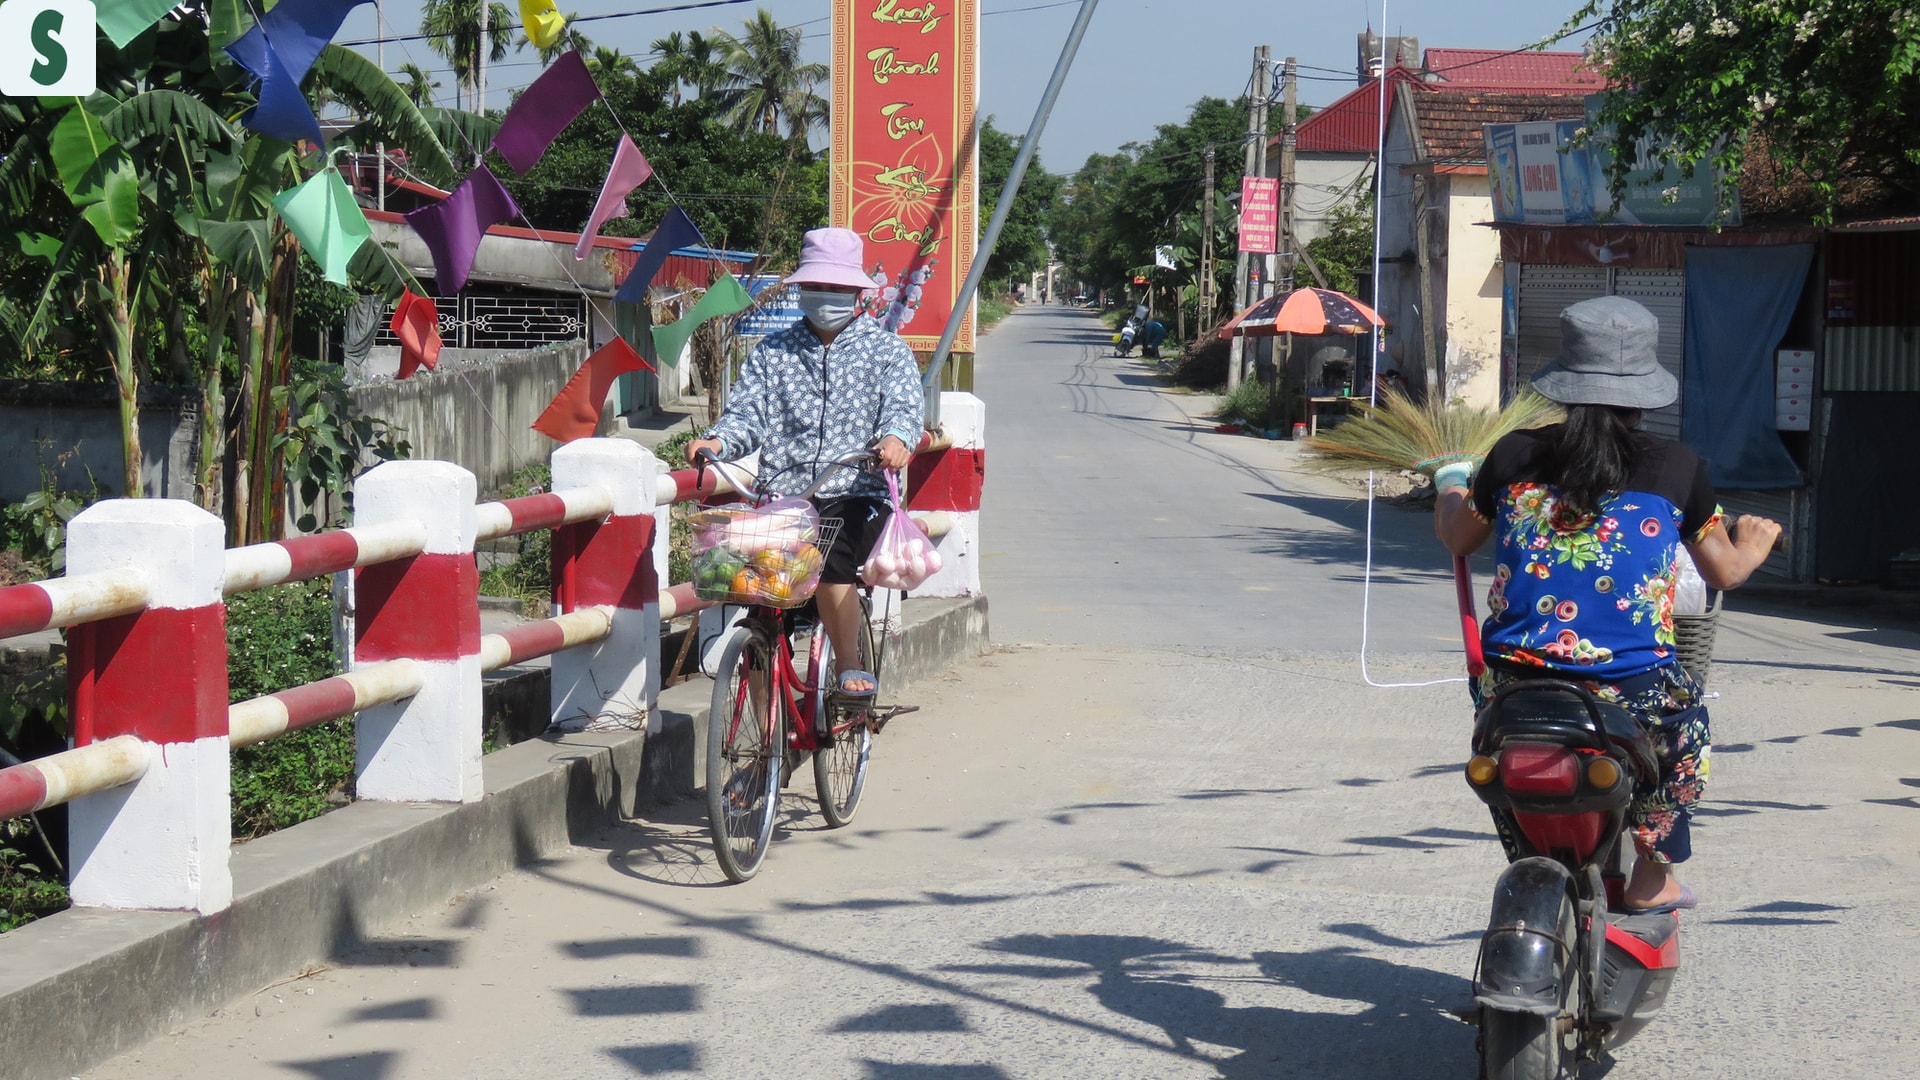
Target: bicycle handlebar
(751, 488)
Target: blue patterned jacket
(800, 403)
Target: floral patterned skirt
(1665, 701)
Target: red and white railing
(144, 604)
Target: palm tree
(419, 86)
(691, 61)
(765, 79)
(570, 40)
(605, 61)
(453, 31)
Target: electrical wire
(1373, 399)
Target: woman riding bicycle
(832, 384)
(1589, 516)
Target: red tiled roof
(1450, 119)
(1350, 125)
(1496, 67)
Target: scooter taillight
(1539, 769)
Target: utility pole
(1243, 291)
(480, 63)
(1203, 318)
(380, 148)
(1289, 243)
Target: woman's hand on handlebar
(893, 453)
(694, 449)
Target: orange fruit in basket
(746, 586)
(770, 561)
(804, 561)
(778, 589)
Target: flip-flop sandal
(840, 684)
(1686, 901)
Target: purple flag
(283, 112)
(676, 230)
(547, 107)
(452, 227)
(630, 170)
(299, 30)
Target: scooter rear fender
(1529, 943)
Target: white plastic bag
(903, 557)
(1690, 589)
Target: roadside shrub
(28, 890)
(1254, 403)
(277, 638)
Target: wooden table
(1310, 407)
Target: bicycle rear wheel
(744, 751)
(840, 764)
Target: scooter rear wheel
(1518, 1046)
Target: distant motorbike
(1123, 341)
(1562, 975)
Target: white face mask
(828, 310)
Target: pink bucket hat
(832, 257)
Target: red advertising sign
(1260, 214)
(905, 80)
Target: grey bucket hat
(1607, 358)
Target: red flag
(417, 324)
(575, 411)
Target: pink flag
(630, 170)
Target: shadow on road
(1358, 1016)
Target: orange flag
(417, 324)
(575, 411)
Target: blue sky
(1143, 62)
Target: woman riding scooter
(1588, 516)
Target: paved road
(1115, 848)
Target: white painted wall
(1473, 292)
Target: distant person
(1152, 333)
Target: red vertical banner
(905, 166)
(1260, 214)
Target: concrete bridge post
(617, 562)
(425, 608)
(161, 675)
(951, 480)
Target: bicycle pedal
(877, 719)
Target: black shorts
(861, 519)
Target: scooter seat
(1552, 707)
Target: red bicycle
(766, 718)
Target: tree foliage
(1022, 247)
(1829, 90)
(1118, 208)
(753, 191)
(1345, 250)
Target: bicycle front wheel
(744, 754)
(840, 764)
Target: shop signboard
(1539, 172)
(904, 168)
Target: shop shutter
(1663, 292)
(1545, 291)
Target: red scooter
(1563, 975)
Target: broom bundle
(1399, 433)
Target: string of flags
(281, 48)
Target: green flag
(327, 222)
(724, 297)
(124, 20)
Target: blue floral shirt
(801, 403)
(1588, 593)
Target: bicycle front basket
(770, 554)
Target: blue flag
(283, 112)
(299, 30)
(676, 230)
